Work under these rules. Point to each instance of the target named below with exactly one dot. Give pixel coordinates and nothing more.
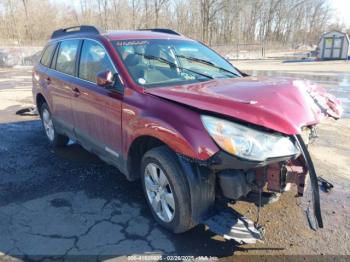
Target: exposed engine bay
(275, 177)
(261, 184)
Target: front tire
(55, 139)
(166, 189)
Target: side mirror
(105, 79)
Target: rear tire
(166, 189)
(55, 139)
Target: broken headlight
(246, 142)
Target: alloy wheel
(48, 125)
(159, 192)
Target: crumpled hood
(281, 104)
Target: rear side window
(47, 54)
(66, 56)
(93, 59)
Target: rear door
(97, 110)
(41, 77)
(62, 79)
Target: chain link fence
(262, 51)
(241, 51)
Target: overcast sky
(342, 10)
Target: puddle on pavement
(337, 83)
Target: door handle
(48, 80)
(76, 91)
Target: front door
(97, 110)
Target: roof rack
(161, 30)
(76, 29)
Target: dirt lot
(67, 202)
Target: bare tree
(158, 5)
(281, 22)
(209, 10)
(135, 8)
(27, 21)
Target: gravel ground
(67, 203)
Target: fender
(176, 126)
(162, 131)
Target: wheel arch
(39, 100)
(200, 179)
(137, 149)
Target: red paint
(178, 127)
(278, 104)
(117, 120)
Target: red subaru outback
(170, 111)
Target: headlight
(247, 142)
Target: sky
(341, 10)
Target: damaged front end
(278, 164)
(239, 179)
(262, 127)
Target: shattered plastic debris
(232, 225)
(30, 111)
(325, 185)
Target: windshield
(163, 62)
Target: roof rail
(76, 29)
(161, 30)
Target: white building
(334, 45)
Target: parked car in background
(7, 59)
(170, 112)
(32, 59)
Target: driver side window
(93, 59)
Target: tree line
(215, 22)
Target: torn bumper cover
(315, 220)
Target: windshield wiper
(173, 64)
(206, 62)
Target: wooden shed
(334, 45)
